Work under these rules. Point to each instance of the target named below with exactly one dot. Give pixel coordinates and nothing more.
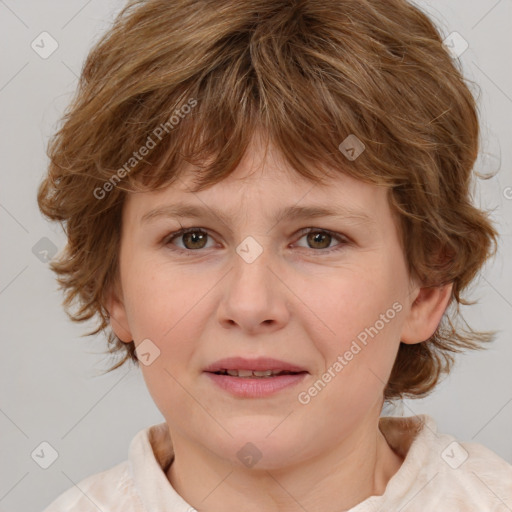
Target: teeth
(266, 373)
(251, 373)
(244, 373)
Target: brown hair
(309, 73)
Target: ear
(118, 317)
(425, 313)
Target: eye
(321, 239)
(194, 239)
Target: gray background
(51, 385)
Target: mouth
(255, 374)
(261, 367)
(254, 378)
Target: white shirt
(438, 475)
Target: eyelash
(176, 234)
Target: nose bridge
(253, 296)
(250, 278)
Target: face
(325, 297)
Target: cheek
(170, 321)
(356, 301)
(159, 299)
(362, 311)
(165, 306)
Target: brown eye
(319, 239)
(196, 239)
(188, 240)
(192, 239)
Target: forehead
(263, 184)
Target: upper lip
(258, 364)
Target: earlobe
(425, 313)
(118, 318)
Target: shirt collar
(151, 453)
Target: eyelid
(176, 234)
(341, 238)
(338, 236)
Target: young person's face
(255, 287)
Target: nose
(254, 297)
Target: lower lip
(258, 387)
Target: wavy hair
(308, 73)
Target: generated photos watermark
(145, 149)
(343, 360)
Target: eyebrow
(184, 210)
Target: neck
(337, 480)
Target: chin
(257, 445)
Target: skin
(296, 302)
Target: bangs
(363, 88)
(287, 87)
